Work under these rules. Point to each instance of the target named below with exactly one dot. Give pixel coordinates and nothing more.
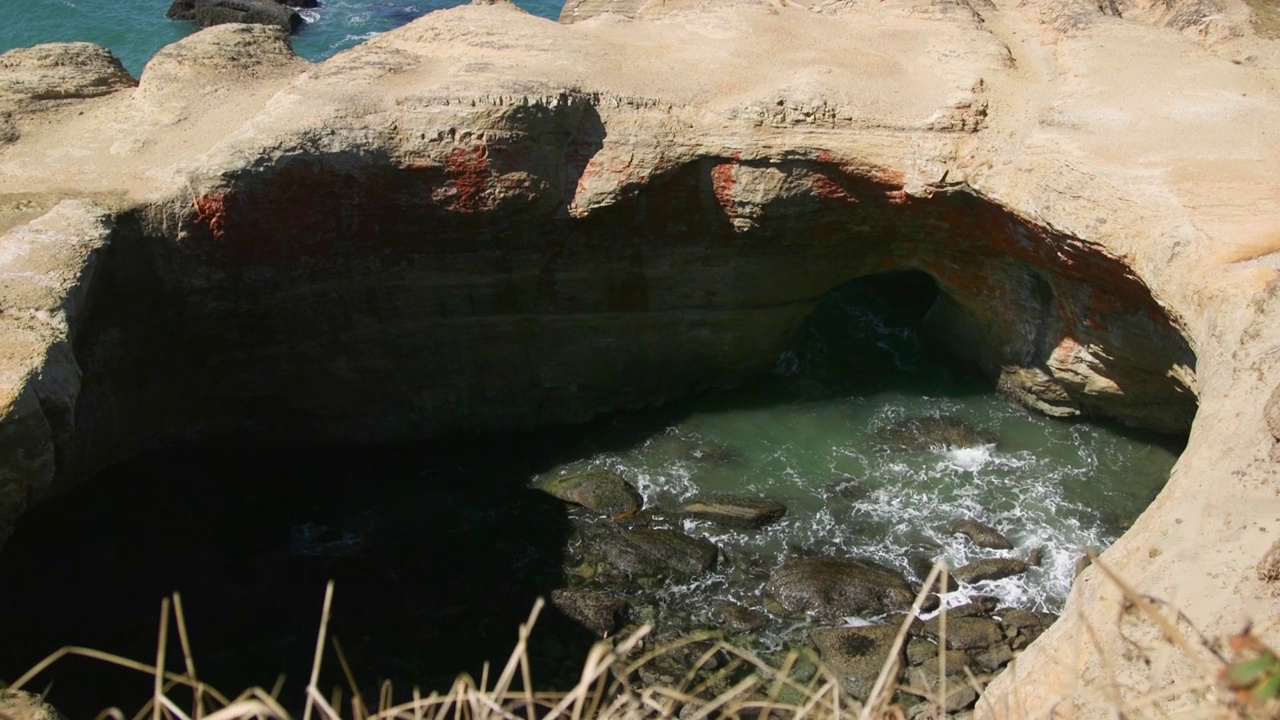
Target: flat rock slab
(736, 512)
(990, 569)
(981, 534)
(829, 588)
(597, 489)
(658, 553)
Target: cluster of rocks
(622, 554)
(979, 639)
(276, 13)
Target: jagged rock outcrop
(488, 220)
(48, 268)
(273, 13)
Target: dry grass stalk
(604, 689)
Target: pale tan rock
(1094, 186)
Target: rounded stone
(989, 569)
(981, 534)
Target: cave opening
(439, 548)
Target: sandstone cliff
(488, 220)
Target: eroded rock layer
(486, 220)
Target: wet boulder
(989, 569)
(856, 655)
(596, 489)
(934, 432)
(981, 534)
(736, 512)
(829, 588)
(657, 553)
(206, 13)
(601, 613)
(738, 619)
(967, 633)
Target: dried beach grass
(1246, 685)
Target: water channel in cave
(440, 549)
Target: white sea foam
(968, 458)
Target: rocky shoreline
(622, 559)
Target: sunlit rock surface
(488, 220)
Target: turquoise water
(135, 29)
(814, 438)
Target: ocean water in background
(135, 29)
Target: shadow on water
(438, 553)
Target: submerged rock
(856, 654)
(603, 491)
(989, 569)
(601, 613)
(829, 588)
(943, 431)
(981, 534)
(736, 512)
(700, 450)
(850, 490)
(657, 553)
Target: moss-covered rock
(597, 489)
